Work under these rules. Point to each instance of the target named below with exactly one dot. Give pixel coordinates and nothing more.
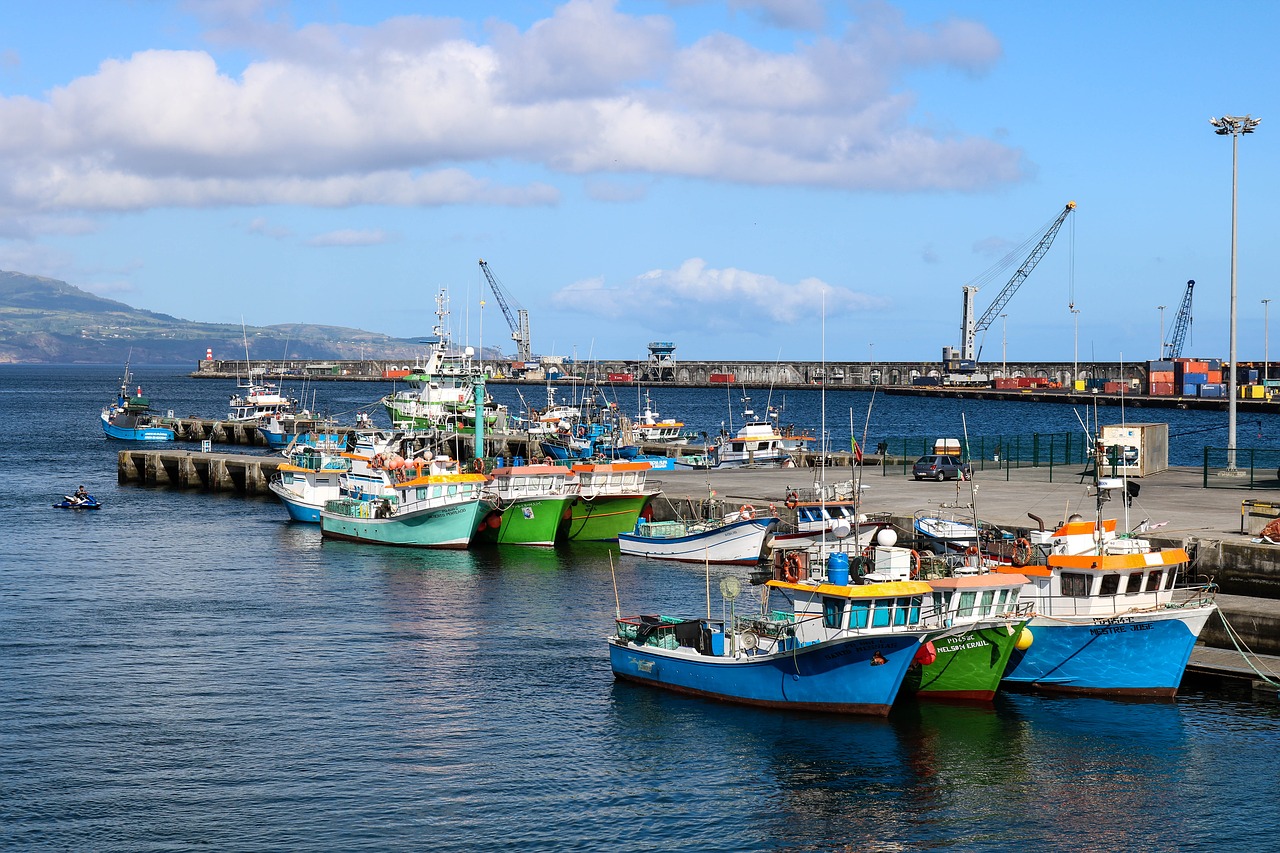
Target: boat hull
(132, 433)
(1142, 654)
(298, 507)
(449, 526)
(837, 676)
(968, 667)
(602, 518)
(528, 521)
(737, 543)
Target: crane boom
(1181, 323)
(519, 322)
(970, 329)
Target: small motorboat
(72, 502)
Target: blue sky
(705, 173)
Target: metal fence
(1254, 468)
(1064, 454)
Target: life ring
(1021, 552)
(971, 551)
(582, 432)
(478, 465)
(915, 564)
(793, 500)
(747, 512)
(791, 568)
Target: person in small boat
(81, 495)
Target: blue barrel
(518, 461)
(838, 569)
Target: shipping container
(926, 381)
(394, 374)
(1210, 390)
(624, 377)
(1189, 390)
(1161, 376)
(1162, 389)
(1213, 376)
(721, 378)
(1154, 366)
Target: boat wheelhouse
(608, 499)
(529, 502)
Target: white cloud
(695, 296)
(351, 237)
(410, 112)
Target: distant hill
(43, 320)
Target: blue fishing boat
(840, 647)
(130, 418)
(1114, 615)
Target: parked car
(941, 468)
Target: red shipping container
(1162, 389)
(722, 378)
(1215, 376)
(394, 374)
(620, 377)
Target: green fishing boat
(985, 623)
(530, 503)
(608, 500)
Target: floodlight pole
(1233, 126)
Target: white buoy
(887, 537)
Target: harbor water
(188, 671)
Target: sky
(749, 179)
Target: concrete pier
(188, 469)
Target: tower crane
(968, 327)
(1181, 323)
(519, 322)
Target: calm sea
(181, 671)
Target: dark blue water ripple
(184, 672)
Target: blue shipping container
(1191, 390)
(1211, 390)
(1195, 378)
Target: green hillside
(44, 321)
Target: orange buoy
(926, 654)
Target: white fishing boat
(737, 538)
(649, 427)
(757, 444)
(310, 479)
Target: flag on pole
(857, 451)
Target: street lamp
(871, 359)
(1075, 358)
(1160, 357)
(1266, 343)
(481, 337)
(1233, 126)
(1004, 346)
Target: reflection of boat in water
(839, 647)
(1113, 616)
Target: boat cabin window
(833, 612)
(1110, 585)
(1153, 580)
(1169, 578)
(437, 491)
(1075, 584)
(988, 601)
(1134, 583)
(806, 514)
(966, 603)
(858, 613)
(421, 493)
